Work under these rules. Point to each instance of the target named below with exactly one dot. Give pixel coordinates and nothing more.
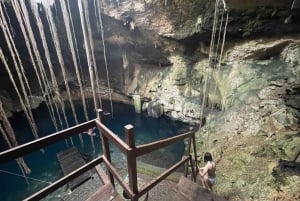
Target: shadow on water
(45, 167)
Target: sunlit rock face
(184, 36)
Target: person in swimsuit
(91, 132)
(208, 172)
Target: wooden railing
(128, 148)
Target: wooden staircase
(185, 190)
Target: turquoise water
(45, 167)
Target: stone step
(106, 193)
(187, 190)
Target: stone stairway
(106, 193)
(187, 190)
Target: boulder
(155, 109)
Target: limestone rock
(155, 109)
(35, 101)
(257, 50)
(291, 53)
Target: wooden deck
(69, 161)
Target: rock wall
(251, 118)
(159, 51)
(182, 39)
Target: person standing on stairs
(208, 172)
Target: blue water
(45, 167)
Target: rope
(209, 63)
(22, 170)
(222, 47)
(19, 175)
(105, 61)
(213, 53)
(215, 57)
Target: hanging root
(105, 60)
(10, 138)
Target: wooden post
(100, 115)
(131, 159)
(195, 155)
(187, 152)
(194, 173)
(195, 151)
(105, 146)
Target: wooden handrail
(162, 176)
(130, 150)
(147, 148)
(64, 180)
(44, 141)
(118, 177)
(112, 137)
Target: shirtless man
(208, 172)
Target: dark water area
(45, 167)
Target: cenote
(45, 167)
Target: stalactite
(125, 59)
(105, 60)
